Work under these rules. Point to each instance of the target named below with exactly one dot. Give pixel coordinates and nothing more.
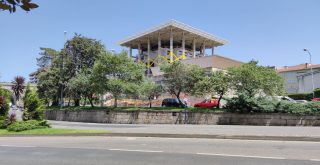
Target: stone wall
(174, 117)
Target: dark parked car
(172, 102)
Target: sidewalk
(286, 133)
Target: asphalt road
(153, 151)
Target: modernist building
(174, 41)
(298, 78)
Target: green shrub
(3, 124)
(33, 105)
(27, 125)
(243, 103)
(291, 107)
(314, 107)
(317, 92)
(301, 96)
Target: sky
(274, 32)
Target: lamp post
(306, 50)
(61, 71)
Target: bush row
(305, 96)
(27, 125)
(245, 104)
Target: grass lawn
(52, 131)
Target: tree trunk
(150, 102)
(220, 97)
(91, 101)
(76, 102)
(84, 102)
(115, 102)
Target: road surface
(154, 151)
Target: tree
(251, 80)
(47, 76)
(116, 74)
(77, 60)
(79, 55)
(11, 5)
(181, 78)
(84, 85)
(150, 89)
(18, 86)
(33, 105)
(218, 82)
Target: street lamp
(306, 50)
(61, 70)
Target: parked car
(284, 98)
(208, 103)
(172, 102)
(316, 99)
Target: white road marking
(245, 156)
(131, 138)
(17, 146)
(317, 160)
(133, 150)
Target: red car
(207, 104)
(315, 99)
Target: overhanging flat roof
(178, 29)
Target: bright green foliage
(181, 78)
(5, 96)
(27, 125)
(149, 89)
(11, 5)
(217, 83)
(33, 105)
(251, 79)
(117, 74)
(244, 104)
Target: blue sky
(274, 32)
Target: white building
(298, 78)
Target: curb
(165, 135)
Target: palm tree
(18, 86)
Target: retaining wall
(174, 117)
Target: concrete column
(159, 47)
(139, 52)
(171, 46)
(129, 52)
(148, 58)
(212, 49)
(183, 45)
(194, 48)
(203, 49)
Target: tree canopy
(11, 5)
(181, 78)
(251, 79)
(117, 74)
